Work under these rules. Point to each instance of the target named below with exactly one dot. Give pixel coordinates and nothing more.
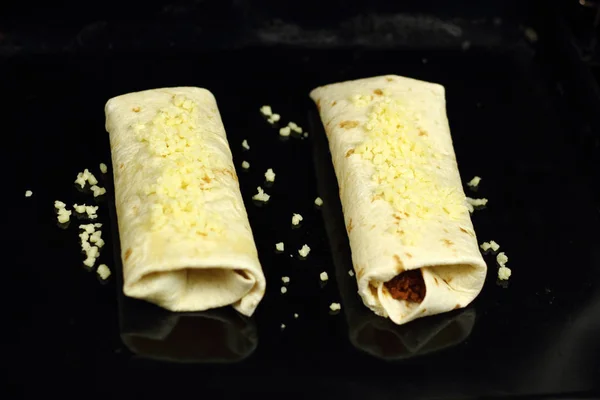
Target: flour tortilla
(180, 272)
(453, 274)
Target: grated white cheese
(474, 182)
(261, 195)
(98, 191)
(296, 218)
(266, 110)
(88, 228)
(304, 251)
(245, 164)
(91, 211)
(283, 290)
(270, 175)
(282, 326)
(294, 127)
(351, 272)
(59, 204)
(495, 246)
(274, 118)
(285, 279)
(504, 273)
(324, 277)
(477, 202)
(103, 271)
(28, 193)
(285, 131)
(245, 145)
(335, 307)
(319, 201)
(296, 315)
(279, 246)
(63, 215)
(103, 168)
(501, 259)
(305, 134)
(485, 246)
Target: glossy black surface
(517, 120)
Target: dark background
(523, 115)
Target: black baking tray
(523, 115)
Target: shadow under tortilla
(369, 333)
(215, 336)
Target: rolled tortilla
(413, 246)
(186, 243)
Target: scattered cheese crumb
(531, 35)
(274, 118)
(283, 290)
(261, 195)
(485, 246)
(98, 191)
(59, 204)
(294, 127)
(296, 218)
(324, 277)
(504, 273)
(63, 215)
(81, 179)
(296, 315)
(91, 178)
(86, 176)
(103, 271)
(103, 168)
(474, 182)
(351, 273)
(245, 164)
(319, 201)
(304, 251)
(270, 175)
(285, 131)
(502, 259)
(305, 134)
(282, 326)
(96, 238)
(285, 279)
(88, 228)
(495, 246)
(335, 307)
(98, 225)
(279, 246)
(245, 145)
(266, 111)
(472, 203)
(28, 193)
(91, 211)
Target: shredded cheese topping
(28, 193)
(304, 251)
(335, 307)
(279, 246)
(318, 202)
(270, 175)
(323, 276)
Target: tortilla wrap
(414, 250)
(185, 237)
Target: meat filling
(408, 286)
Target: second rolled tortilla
(185, 237)
(414, 249)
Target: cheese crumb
(103, 168)
(495, 246)
(274, 118)
(296, 218)
(59, 204)
(279, 246)
(351, 272)
(88, 228)
(285, 279)
(283, 290)
(335, 307)
(63, 215)
(282, 326)
(477, 202)
(80, 209)
(304, 251)
(245, 145)
(98, 191)
(285, 131)
(91, 211)
(324, 277)
(319, 201)
(485, 246)
(266, 110)
(103, 271)
(296, 315)
(305, 134)
(28, 193)
(91, 178)
(294, 127)
(502, 259)
(261, 195)
(270, 175)
(245, 164)
(504, 273)
(474, 182)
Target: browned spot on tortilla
(389, 79)
(127, 254)
(445, 230)
(373, 290)
(422, 133)
(334, 103)
(328, 123)
(360, 271)
(376, 197)
(467, 231)
(206, 179)
(121, 166)
(438, 167)
(456, 307)
(226, 171)
(423, 311)
(378, 92)
(373, 227)
(349, 227)
(136, 109)
(349, 153)
(447, 242)
(349, 124)
(408, 255)
(401, 232)
(399, 264)
(397, 217)
(397, 126)
(202, 234)
(319, 104)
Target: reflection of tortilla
(410, 214)
(185, 238)
(215, 336)
(369, 332)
